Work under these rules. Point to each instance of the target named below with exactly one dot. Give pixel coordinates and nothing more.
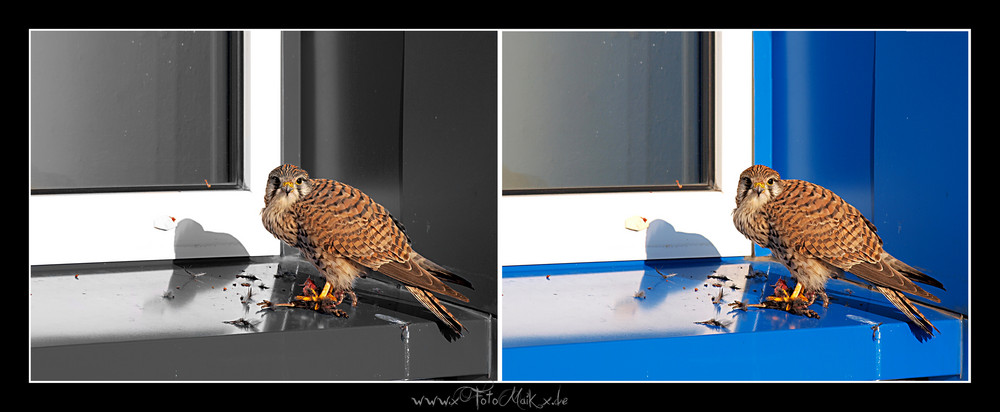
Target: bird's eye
(298, 181)
(770, 181)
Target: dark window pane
(604, 111)
(128, 110)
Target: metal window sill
(636, 321)
(157, 321)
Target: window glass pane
(602, 111)
(123, 110)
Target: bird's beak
(287, 186)
(759, 187)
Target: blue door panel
(882, 119)
(921, 151)
(822, 113)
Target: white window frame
(590, 227)
(114, 227)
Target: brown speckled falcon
(817, 235)
(344, 232)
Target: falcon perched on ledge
(817, 235)
(344, 232)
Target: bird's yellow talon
(797, 292)
(326, 291)
(796, 295)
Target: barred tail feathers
(437, 308)
(908, 308)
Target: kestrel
(343, 232)
(817, 235)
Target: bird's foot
(796, 303)
(801, 310)
(325, 301)
(330, 306)
(339, 297)
(795, 308)
(812, 298)
(781, 294)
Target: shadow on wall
(190, 276)
(662, 241)
(192, 241)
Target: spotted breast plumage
(817, 235)
(343, 232)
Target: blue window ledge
(636, 321)
(175, 321)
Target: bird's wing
(345, 222)
(440, 272)
(815, 221)
(411, 274)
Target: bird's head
(286, 184)
(758, 185)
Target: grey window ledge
(159, 321)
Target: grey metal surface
(167, 321)
(449, 154)
(410, 118)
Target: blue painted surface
(654, 338)
(880, 118)
(921, 151)
(823, 110)
(802, 355)
(762, 98)
(763, 122)
(574, 268)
